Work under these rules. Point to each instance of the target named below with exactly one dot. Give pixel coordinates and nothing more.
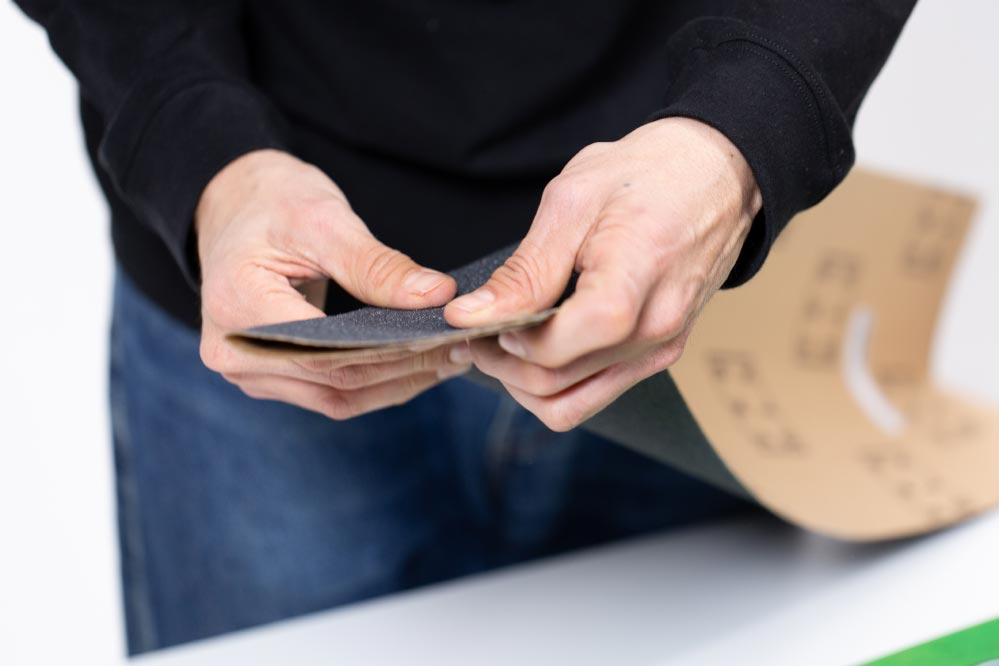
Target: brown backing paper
(764, 374)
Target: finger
(536, 275)
(236, 356)
(337, 404)
(617, 275)
(260, 296)
(494, 361)
(253, 296)
(379, 275)
(568, 409)
(448, 361)
(443, 361)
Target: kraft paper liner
(769, 411)
(773, 400)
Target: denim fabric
(235, 512)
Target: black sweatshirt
(442, 120)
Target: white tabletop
(751, 591)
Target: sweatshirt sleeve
(783, 81)
(170, 80)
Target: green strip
(977, 646)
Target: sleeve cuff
(168, 141)
(774, 108)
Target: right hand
(269, 222)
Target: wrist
(722, 160)
(738, 171)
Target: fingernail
(474, 301)
(459, 354)
(512, 345)
(423, 282)
(448, 371)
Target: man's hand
(653, 223)
(267, 223)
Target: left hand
(653, 224)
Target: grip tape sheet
(760, 404)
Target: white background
(933, 114)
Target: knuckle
(520, 274)
(348, 376)
(594, 149)
(334, 414)
(674, 351)
(617, 317)
(566, 191)
(558, 417)
(672, 324)
(672, 354)
(569, 414)
(340, 408)
(211, 354)
(381, 266)
(559, 414)
(676, 317)
(666, 357)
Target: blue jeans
(235, 512)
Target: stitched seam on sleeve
(798, 72)
(804, 92)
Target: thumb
(378, 275)
(532, 279)
(536, 275)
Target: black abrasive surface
(384, 327)
(651, 417)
